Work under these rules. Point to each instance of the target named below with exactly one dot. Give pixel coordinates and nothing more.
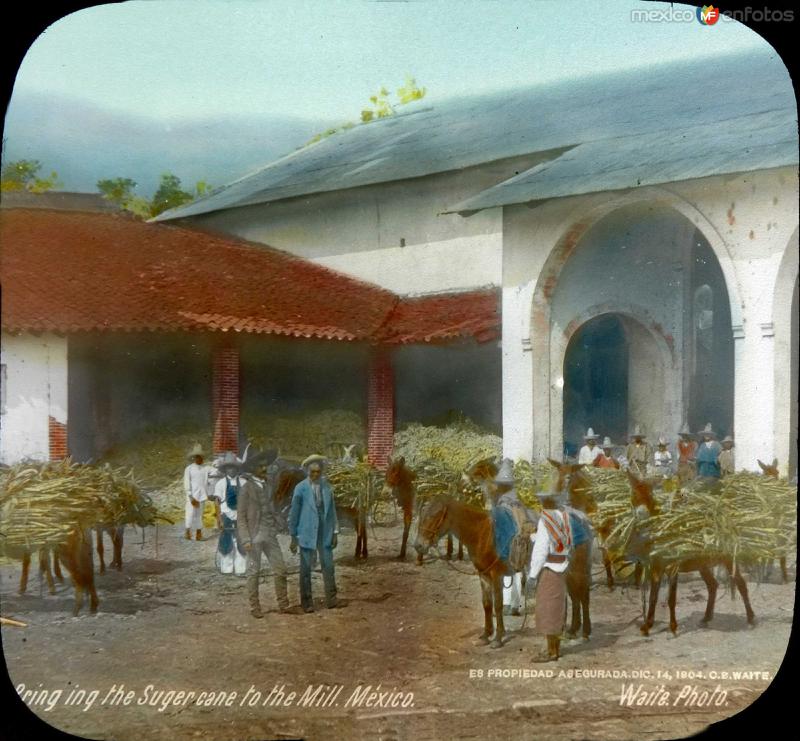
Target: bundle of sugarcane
(532, 478)
(746, 517)
(42, 503)
(456, 446)
(354, 485)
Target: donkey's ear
(402, 460)
(774, 462)
(634, 479)
(763, 466)
(389, 460)
(555, 463)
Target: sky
(172, 59)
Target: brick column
(57, 436)
(225, 397)
(380, 407)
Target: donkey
(771, 472)
(473, 527)
(642, 496)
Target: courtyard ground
(170, 623)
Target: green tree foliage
(169, 194)
(24, 175)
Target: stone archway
(652, 286)
(646, 394)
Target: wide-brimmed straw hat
(314, 458)
(505, 474)
(685, 430)
(196, 450)
(607, 442)
(637, 432)
(728, 439)
(708, 430)
(590, 435)
(662, 440)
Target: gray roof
(624, 129)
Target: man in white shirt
(589, 451)
(195, 486)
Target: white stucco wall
(395, 235)
(36, 389)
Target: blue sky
(170, 59)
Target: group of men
(704, 454)
(249, 523)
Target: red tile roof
(70, 272)
(444, 317)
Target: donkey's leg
(44, 568)
(585, 592)
(497, 594)
(23, 579)
(100, 549)
(742, 586)
(461, 552)
(671, 601)
(486, 597)
(118, 539)
(572, 591)
(707, 575)
(784, 573)
(78, 598)
(407, 514)
(449, 555)
(57, 566)
(655, 586)
(608, 567)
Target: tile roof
(425, 138)
(71, 272)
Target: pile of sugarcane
(532, 478)
(297, 435)
(41, 504)
(747, 517)
(456, 446)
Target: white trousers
(231, 563)
(512, 594)
(194, 516)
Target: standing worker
(549, 561)
(727, 464)
(257, 531)
(314, 527)
(195, 486)
(638, 452)
(708, 454)
(589, 452)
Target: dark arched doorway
(596, 381)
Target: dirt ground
(170, 622)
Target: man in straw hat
(509, 517)
(638, 452)
(606, 459)
(708, 454)
(230, 557)
(662, 459)
(257, 531)
(195, 486)
(726, 461)
(552, 546)
(589, 451)
(314, 527)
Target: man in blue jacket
(313, 525)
